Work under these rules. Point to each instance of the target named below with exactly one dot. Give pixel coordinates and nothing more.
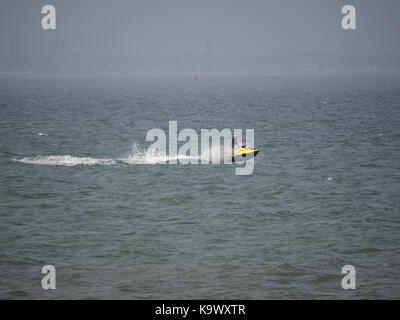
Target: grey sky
(231, 27)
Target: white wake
(138, 155)
(64, 160)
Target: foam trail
(138, 155)
(67, 160)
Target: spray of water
(137, 155)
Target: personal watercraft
(243, 153)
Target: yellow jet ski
(243, 153)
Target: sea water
(76, 191)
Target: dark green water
(324, 192)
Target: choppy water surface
(75, 192)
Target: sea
(77, 193)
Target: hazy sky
(231, 27)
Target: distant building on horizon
(307, 68)
(19, 48)
(2, 49)
(202, 47)
(56, 49)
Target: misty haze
(209, 38)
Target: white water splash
(138, 155)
